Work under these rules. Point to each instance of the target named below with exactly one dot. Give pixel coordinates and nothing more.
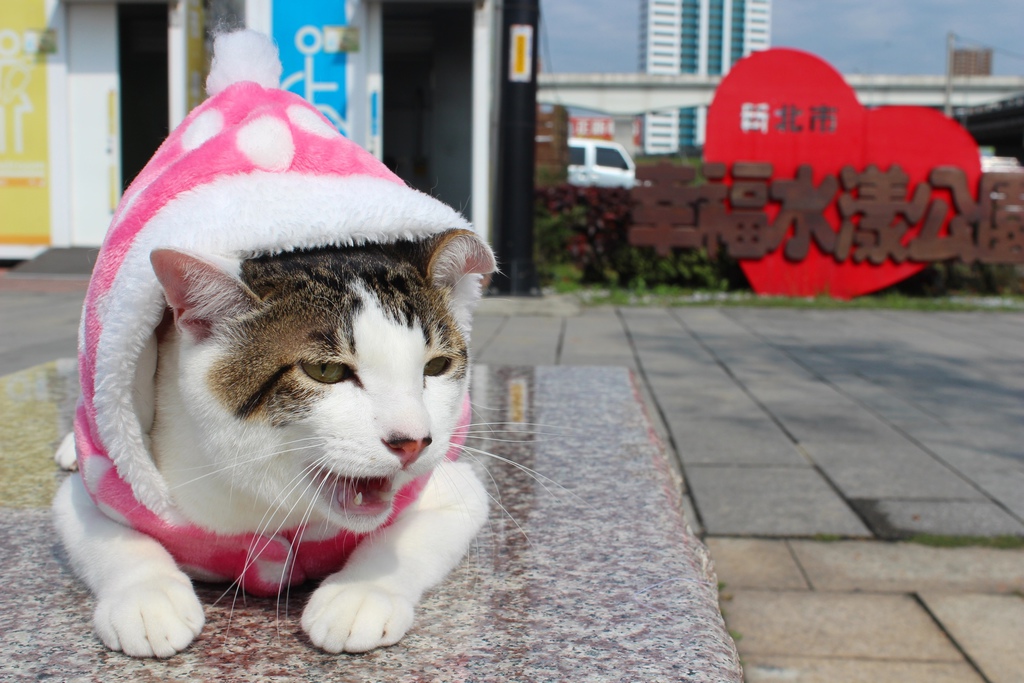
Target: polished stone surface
(586, 571)
(36, 411)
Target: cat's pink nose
(408, 450)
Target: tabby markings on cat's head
(308, 304)
(355, 353)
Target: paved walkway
(795, 429)
(809, 442)
(814, 423)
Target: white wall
(93, 87)
(484, 125)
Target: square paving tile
(887, 466)
(990, 629)
(763, 669)
(904, 518)
(755, 563)
(908, 567)
(752, 439)
(987, 460)
(770, 501)
(844, 625)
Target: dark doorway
(428, 76)
(142, 54)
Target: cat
(313, 390)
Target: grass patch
(1000, 542)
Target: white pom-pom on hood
(243, 56)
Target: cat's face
(326, 380)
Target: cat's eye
(437, 366)
(329, 373)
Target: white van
(600, 163)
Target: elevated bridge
(999, 125)
(628, 94)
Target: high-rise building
(695, 37)
(972, 62)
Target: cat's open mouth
(366, 496)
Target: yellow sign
(341, 39)
(24, 150)
(195, 52)
(520, 64)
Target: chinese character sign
(754, 117)
(787, 118)
(600, 127)
(754, 215)
(850, 190)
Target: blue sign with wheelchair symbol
(311, 68)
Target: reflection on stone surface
(585, 571)
(37, 407)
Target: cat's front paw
(155, 618)
(66, 457)
(356, 617)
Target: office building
(704, 37)
(972, 62)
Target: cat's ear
(199, 292)
(455, 254)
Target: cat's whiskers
(479, 430)
(262, 531)
(217, 468)
(253, 554)
(541, 479)
(476, 454)
(448, 474)
(278, 450)
(483, 436)
(497, 501)
(257, 459)
(263, 528)
(296, 541)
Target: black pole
(517, 129)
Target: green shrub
(955, 277)
(581, 236)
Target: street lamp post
(517, 124)
(950, 42)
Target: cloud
(897, 36)
(587, 36)
(855, 36)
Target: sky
(855, 36)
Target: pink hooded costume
(252, 170)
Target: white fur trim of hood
(233, 217)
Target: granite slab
(586, 571)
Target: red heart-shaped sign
(790, 108)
